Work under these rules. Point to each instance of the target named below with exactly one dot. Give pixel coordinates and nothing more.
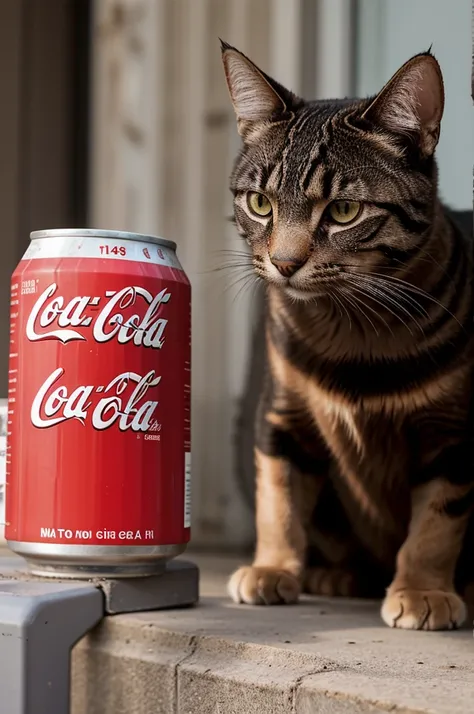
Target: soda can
(98, 453)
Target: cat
(363, 443)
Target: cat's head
(326, 189)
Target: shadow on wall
(244, 434)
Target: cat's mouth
(305, 287)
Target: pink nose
(286, 267)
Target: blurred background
(115, 114)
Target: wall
(390, 32)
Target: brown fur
(364, 474)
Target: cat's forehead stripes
(315, 156)
(302, 125)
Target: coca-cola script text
(52, 406)
(144, 330)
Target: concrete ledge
(331, 656)
(327, 656)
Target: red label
(99, 413)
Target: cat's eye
(344, 211)
(259, 204)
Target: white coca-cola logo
(143, 330)
(54, 404)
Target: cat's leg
(422, 594)
(275, 575)
(285, 498)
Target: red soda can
(98, 434)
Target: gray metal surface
(39, 624)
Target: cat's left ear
(412, 102)
(256, 96)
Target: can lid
(101, 233)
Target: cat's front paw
(423, 609)
(263, 586)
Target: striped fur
(364, 473)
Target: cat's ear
(256, 96)
(412, 102)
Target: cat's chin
(303, 295)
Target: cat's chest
(352, 432)
(340, 424)
(372, 460)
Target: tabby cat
(364, 470)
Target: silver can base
(86, 562)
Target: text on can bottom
(100, 535)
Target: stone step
(323, 655)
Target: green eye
(259, 204)
(344, 211)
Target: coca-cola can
(98, 451)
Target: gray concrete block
(177, 586)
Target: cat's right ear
(256, 96)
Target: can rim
(102, 233)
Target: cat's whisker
(418, 291)
(402, 287)
(397, 291)
(249, 284)
(228, 266)
(385, 300)
(242, 283)
(334, 301)
(240, 277)
(377, 298)
(355, 302)
(415, 304)
(232, 251)
(341, 303)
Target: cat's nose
(287, 267)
